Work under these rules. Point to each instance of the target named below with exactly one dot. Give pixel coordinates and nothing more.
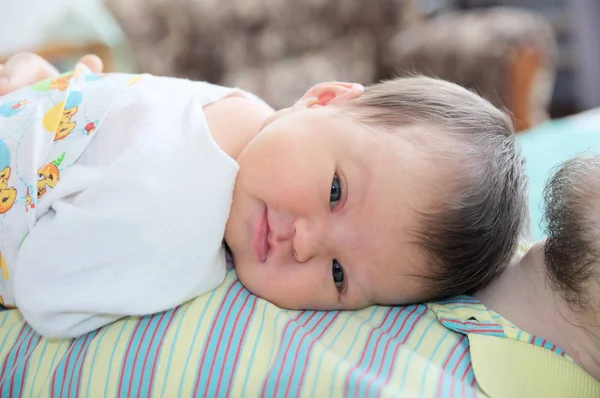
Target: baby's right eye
(338, 275)
(336, 191)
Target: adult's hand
(24, 69)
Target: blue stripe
(215, 351)
(37, 369)
(388, 354)
(446, 390)
(354, 340)
(519, 334)
(141, 341)
(112, 357)
(93, 362)
(430, 361)
(225, 359)
(149, 355)
(453, 359)
(51, 368)
(370, 352)
(326, 349)
(15, 365)
(181, 316)
(7, 334)
(304, 353)
(406, 364)
(187, 360)
(5, 312)
(468, 306)
(135, 342)
(64, 371)
(255, 345)
(77, 365)
(405, 321)
(289, 343)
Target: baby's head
(572, 248)
(411, 190)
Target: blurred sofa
(278, 48)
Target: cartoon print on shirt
(4, 268)
(61, 82)
(13, 108)
(90, 128)
(7, 194)
(48, 176)
(28, 203)
(58, 119)
(65, 124)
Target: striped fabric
(231, 343)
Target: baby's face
(323, 210)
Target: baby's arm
(24, 69)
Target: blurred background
(536, 58)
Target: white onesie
(133, 195)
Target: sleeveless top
(114, 198)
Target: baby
(120, 189)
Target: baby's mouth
(262, 238)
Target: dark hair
(471, 236)
(572, 206)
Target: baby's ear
(324, 94)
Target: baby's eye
(338, 274)
(336, 191)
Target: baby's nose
(309, 240)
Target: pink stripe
(464, 375)
(38, 338)
(440, 383)
(212, 364)
(135, 358)
(463, 391)
(532, 340)
(398, 345)
(386, 346)
(287, 390)
(473, 382)
(82, 360)
(6, 358)
(310, 351)
(160, 343)
(445, 365)
(162, 316)
(235, 323)
(362, 356)
(75, 365)
(460, 359)
(368, 387)
(239, 346)
(287, 350)
(135, 329)
(66, 366)
(264, 386)
(29, 338)
(553, 348)
(212, 329)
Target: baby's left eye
(336, 191)
(338, 275)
